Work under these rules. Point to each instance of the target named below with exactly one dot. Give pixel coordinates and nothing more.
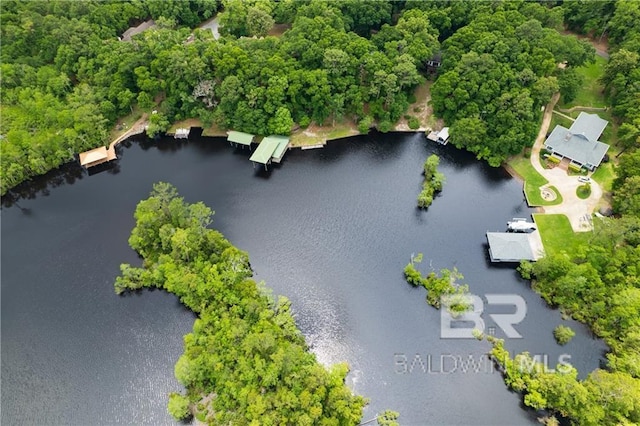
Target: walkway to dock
(101, 155)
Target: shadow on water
(112, 167)
(261, 173)
(168, 145)
(66, 174)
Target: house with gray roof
(579, 143)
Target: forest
(67, 78)
(600, 283)
(245, 362)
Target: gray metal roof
(580, 142)
(509, 247)
(589, 126)
(576, 147)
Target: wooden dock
(317, 146)
(102, 154)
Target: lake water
(332, 229)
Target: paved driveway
(577, 210)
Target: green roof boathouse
(271, 149)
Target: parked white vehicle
(584, 179)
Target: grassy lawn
(124, 123)
(532, 182)
(189, 122)
(214, 130)
(557, 234)
(559, 120)
(279, 29)
(583, 191)
(604, 175)
(318, 135)
(590, 94)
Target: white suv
(584, 179)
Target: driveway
(577, 210)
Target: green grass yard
(591, 92)
(532, 182)
(557, 234)
(319, 135)
(604, 175)
(559, 120)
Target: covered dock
(182, 133)
(441, 137)
(102, 155)
(514, 246)
(281, 149)
(240, 138)
(271, 149)
(96, 156)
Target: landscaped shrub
(583, 191)
(575, 167)
(414, 123)
(553, 159)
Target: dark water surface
(331, 229)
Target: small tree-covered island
(245, 361)
(78, 75)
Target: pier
(441, 137)
(182, 133)
(102, 154)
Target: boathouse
(515, 246)
(509, 247)
(240, 138)
(96, 156)
(270, 149)
(441, 137)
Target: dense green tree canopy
(499, 71)
(67, 77)
(245, 361)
